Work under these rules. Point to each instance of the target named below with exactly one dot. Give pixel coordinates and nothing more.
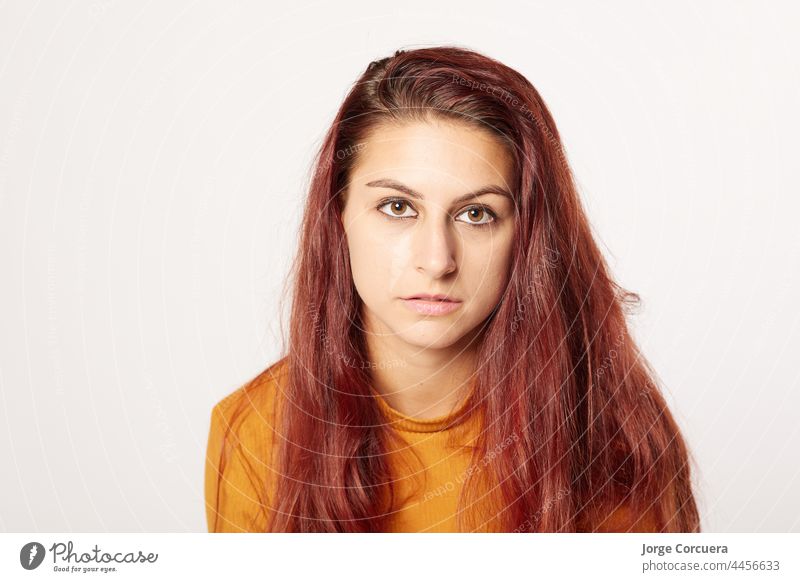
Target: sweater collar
(407, 423)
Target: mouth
(431, 304)
(429, 297)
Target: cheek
(486, 270)
(377, 260)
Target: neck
(421, 383)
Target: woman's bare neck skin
(423, 384)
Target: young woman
(458, 355)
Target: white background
(153, 162)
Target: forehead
(435, 152)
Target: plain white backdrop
(153, 162)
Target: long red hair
(558, 370)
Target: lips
(426, 304)
(429, 297)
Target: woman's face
(413, 228)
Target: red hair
(559, 369)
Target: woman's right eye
(396, 209)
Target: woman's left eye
(478, 215)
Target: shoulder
(250, 409)
(238, 480)
(245, 420)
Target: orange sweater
(239, 477)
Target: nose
(435, 247)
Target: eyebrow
(395, 185)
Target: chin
(439, 336)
